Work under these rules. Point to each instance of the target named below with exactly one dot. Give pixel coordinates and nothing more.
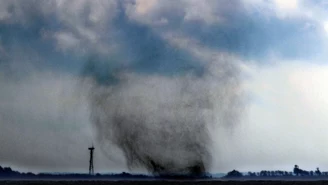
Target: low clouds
(184, 11)
(252, 28)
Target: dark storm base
(195, 171)
(161, 182)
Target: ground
(187, 182)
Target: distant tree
(30, 174)
(318, 172)
(311, 173)
(296, 170)
(234, 173)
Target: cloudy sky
(279, 46)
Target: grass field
(162, 182)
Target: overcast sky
(279, 45)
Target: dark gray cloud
(166, 119)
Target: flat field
(158, 182)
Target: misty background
(277, 47)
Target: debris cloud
(162, 122)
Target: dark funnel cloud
(159, 107)
(162, 122)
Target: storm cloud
(47, 48)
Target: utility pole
(91, 170)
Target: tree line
(278, 173)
